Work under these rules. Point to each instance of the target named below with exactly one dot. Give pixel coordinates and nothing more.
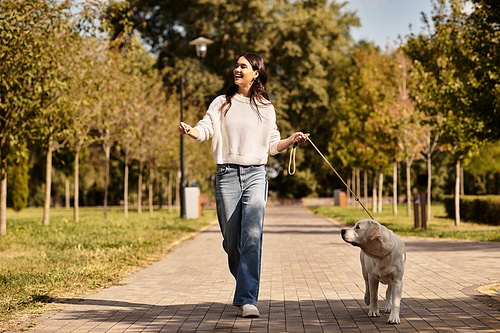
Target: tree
(305, 45)
(110, 114)
(28, 32)
(85, 99)
(479, 45)
(52, 127)
(446, 74)
(125, 139)
(308, 61)
(371, 122)
(412, 131)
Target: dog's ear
(372, 232)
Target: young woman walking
(242, 126)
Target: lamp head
(201, 44)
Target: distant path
(311, 282)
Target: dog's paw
(373, 313)
(393, 319)
(387, 309)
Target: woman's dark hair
(258, 92)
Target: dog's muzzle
(342, 232)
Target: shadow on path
(283, 316)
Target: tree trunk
(151, 191)
(107, 150)
(48, 184)
(408, 187)
(160, 190)
(76, 203)
(457, 195)
(374, 193)
(3, 197)
(462, 181)
(139, 190)
(125, 189)
(395, 188)
(380, 186)
(169, 193)
(429, 182)
(67, 190)
(365, 186)
(178, 190)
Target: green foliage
(304, 44)
(371, 117)
(309, 61)
(487, 160)
(303, 185)
(482, 174)
(20, 179)
(30, 32)
(481, 209)
(481, 44)
(449, 90)
(92, 79)
(37, 40)
(38, 262)
(440, 176)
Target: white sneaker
(249, 311)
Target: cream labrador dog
(383, 259)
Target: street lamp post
(201, 50)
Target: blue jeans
(241, 196)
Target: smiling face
(244, 73)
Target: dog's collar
(377, 256)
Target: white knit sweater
(240, 137)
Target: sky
(383, 20)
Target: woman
(242, 126)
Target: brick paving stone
(311, 282)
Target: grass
(438, 227)
(66, 259)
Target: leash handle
(293, 152)
(291, 162)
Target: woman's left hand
(299, 137)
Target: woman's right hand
(184, 128)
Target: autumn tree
(370, 130)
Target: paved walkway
(311, 282)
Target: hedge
(482, 209)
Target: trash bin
(339, 198)
(192, 200)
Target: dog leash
(292, 160)
(292, 157)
